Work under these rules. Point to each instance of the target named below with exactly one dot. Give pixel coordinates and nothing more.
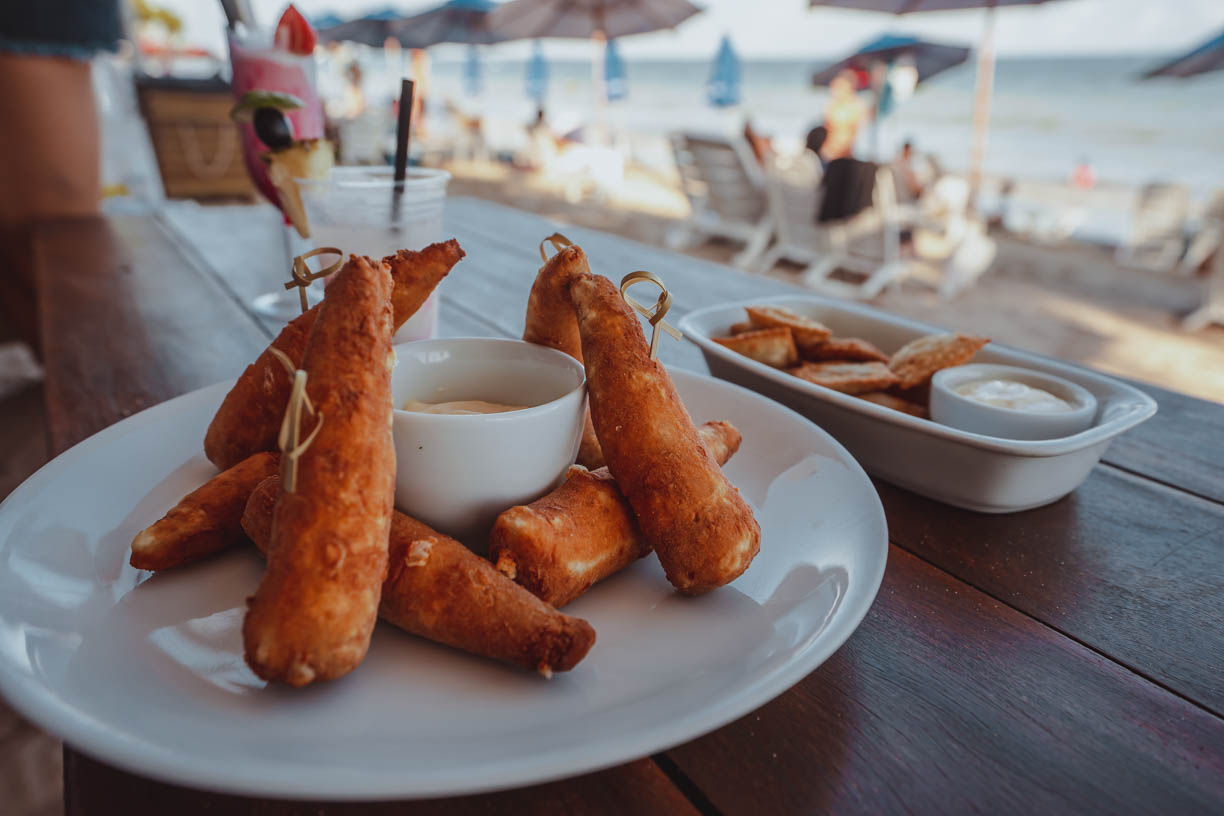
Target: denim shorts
(75, 29)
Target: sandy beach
(1069, 300)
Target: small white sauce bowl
(958, 411)
(456, 473)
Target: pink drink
(271, 69)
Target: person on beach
(843, 115)
(912, 171)
(814, 142)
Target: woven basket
(198, 149)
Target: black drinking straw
(402, 135)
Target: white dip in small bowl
(1010, 402)
(457, 471)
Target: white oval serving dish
(984, 473)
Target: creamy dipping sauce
(460, 407)
(1014, 395)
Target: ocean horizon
(1048, 114)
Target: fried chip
(804, 329)
(740, 328)
(896, 403)
(845, 349)
(917, 360)
(773, 347)
(849, 378)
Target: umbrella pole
(598, 60)
(981, 106)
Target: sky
(788, 28)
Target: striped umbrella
(723, 89)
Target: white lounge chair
(1157, 236)
(1208, 244)
(726, 191)
(869, 244)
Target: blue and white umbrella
(981, 101)
(723, 89)
(473, 81)
(536, 79)
(616, 85)
(928, 58)
(1207, 57)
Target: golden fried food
(551, 322)
(415, 275)
(916, 361)
(804, 329)
(440, 590)
(740, 328)
(841, 349)
(315, 608)
(250, 416)
(206, 520)
(702, 529)
(896, 403)
(849, 378)
(582, 532)
(773, 347)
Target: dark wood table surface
(1065, 659)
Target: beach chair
(868, 244)
(1157, 237)
(726, 191)
(954, 255)
(1208, 247)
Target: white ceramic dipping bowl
(958, 411)
(456, 473)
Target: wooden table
(1069, 658)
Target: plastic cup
(354, 210)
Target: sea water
(1048, 114)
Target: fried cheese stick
(313, 614)
(206, 520)
(250, 416)
(551, 322)
(702, 529)
(440, 590)
(582, 532)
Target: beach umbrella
(465, 22)
(599, 20)
(473, 82)
(891, 66)
(615, 79)
(723, 89)
(326, 21)
(457, 21)
(536, 79)
(1207, 57)
(583, 19)
(985, 67)
(927, 58)
(372, 29)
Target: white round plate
(145, 671)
